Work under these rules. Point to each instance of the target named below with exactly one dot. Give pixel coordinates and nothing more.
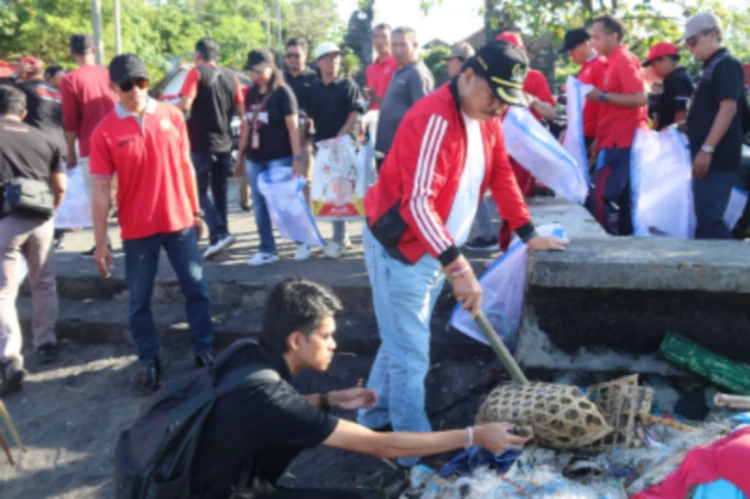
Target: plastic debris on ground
(654, 447)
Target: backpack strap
(251, 374)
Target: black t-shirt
(248, 430)
(722, 78)
(678, 89)
(210, 123)
(26, 153)
(331, 105)
(302, 85)
(274, 135)
(44, 111)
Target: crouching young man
(253, 433)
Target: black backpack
(153, 458)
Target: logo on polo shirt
(125, 142)
(165, 125)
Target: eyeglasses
(292, 55)
(141, 83)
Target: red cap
(31, 61)
(661, 49)
(510, 37)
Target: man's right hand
(103, 259)
(237, 168)
(72, 160)
(466, 288)
(497, 437)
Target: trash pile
(601, 442)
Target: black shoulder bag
(28, 198)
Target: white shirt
(467, 197)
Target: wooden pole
(96, 21)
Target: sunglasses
(141, 83)
(292, 56)
(693, 40)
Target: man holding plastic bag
(448, 150)
(624, 109)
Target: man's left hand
(701, 164)
(353, 398)
(200, 227)
(594, 94)
(546, 243)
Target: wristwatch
(603, 97)
(708, 149)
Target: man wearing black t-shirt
(212, 96)
(253, 433)
(674, 101)
(26, 154)
(335, 107)
(714, 125)
(44, 107)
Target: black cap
(81, 44)
(504, 66)
(258, 57)
(125, 67)
(573, 38)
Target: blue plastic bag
(287, 207)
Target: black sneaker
(246, 207)
(12, 375)
(147, 379)
(47, 353)
(204, 360)
(483, 245)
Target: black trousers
(308, 494)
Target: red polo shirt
(617, 125)
(592, 73)
(378, 76)
(147, 156)
(86, 99)
(536, 84)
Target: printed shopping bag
(338, 181)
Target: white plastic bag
(338, 181)
(287, 207)
(75, 210)
(735, 207)
(503, 288)
(575, 143)
(537, 150)
(661, 184)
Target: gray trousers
(29, 239)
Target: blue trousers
(612, 199)
(141, 265)
(711, 196)
(213, 170)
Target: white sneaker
(303, 252)
(333, 250)
(261, 258)
(219, 246)
(347, 242)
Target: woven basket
(560, 415)
(620, 401)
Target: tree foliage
(433, 59)
(162, 31)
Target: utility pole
(489, 6)
(278, 28)
(96, 21)
(118, 34)
(268, 27)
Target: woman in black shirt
(270, 139)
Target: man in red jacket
(448, 151)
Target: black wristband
(324, 402)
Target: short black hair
(612, 24)
(12, 100)
(382, 26)
(295, 305)
(406, 31)
(51, 71)
(297, 42)
(207, 48)
(81, 43)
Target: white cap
(701, 22)
(326, 48)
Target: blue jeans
(404, 297)
(711, 196)
(612, 199)
(262, 218)
(141, 264)
(213, 169)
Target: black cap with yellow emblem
(504, 67)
